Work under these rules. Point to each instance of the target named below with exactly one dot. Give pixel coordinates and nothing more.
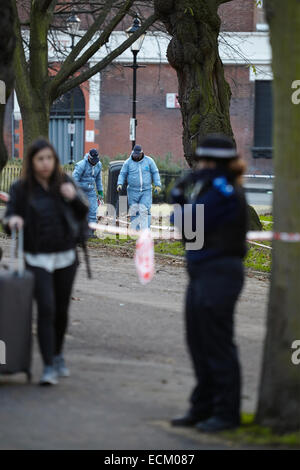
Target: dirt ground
(130, 371)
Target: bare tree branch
(87, 36)
(70, 65)
(47, 4)
(73, 82)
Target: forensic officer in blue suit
(88, 175)
(216, 275)
(140, 172)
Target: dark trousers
(212, 293)
(52, 294)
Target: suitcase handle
(20, 271)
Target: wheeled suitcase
(16, 295)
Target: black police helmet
(217, 147)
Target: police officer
(87, 174)
(140, 172)
(216, 277)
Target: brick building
(104, 103)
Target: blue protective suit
(139, 176)
(87, 176)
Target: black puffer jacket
(47, 217)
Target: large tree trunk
(35, 121)
(32, 80)
(7, 45)
(279, 398)
(204, 94)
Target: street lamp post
(135, 48)
(73, 24)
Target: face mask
(137, 158)
(93, 160)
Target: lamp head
(137, 45)
(73, 24)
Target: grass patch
(251, 433)
(266, 218)
(258, 258)
(169, 247)
(166, 247)
(267, 221)
(109, 241)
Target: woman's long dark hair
(28, 176)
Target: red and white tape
(251, 236)
(125, 222)
(282, 236)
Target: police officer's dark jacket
(48, 217)
(225, 215)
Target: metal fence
(12, 172)
(8, 175)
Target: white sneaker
(49, 376)
(60, 366)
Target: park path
(130, 368)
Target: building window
(261, 23)
(263, 124)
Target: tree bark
(204, 95)
(7, 45)
(35, 122)
(279, 394)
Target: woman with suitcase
(49, 206)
